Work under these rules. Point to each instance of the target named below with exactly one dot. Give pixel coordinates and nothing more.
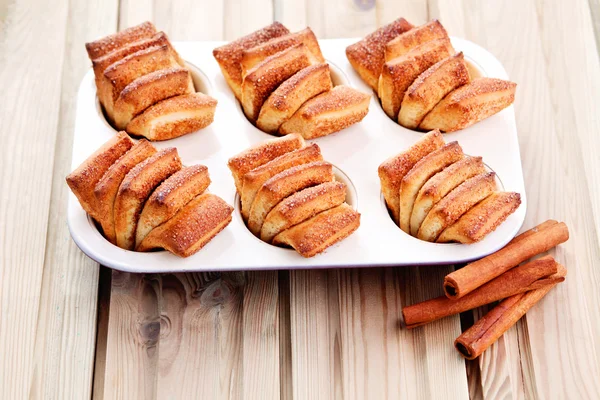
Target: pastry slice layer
(482, 219)
(392, 171)
(367, 55)
(313, 236)
(84, 178)
(230, 55)
(430, 88)
(301, 206)
(254, 180)
(469, 104)
(415, 37)
(260, 154)
(106, 189)
(456, 203)
(135, 189)
(191, 228)
(327, 113)
(283, 185)
(174, 117)
(414, 180)
(291, 94)
(107, 44)
(168, 198)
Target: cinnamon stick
(488, 329)
(529, 276)
(531, 243)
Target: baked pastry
(301, 206)
(291, 94)
(84, 178)
(191, 228)
(256, 54)
(135, 189)
(101, 47)
(267, 75)
(174, 117)
(327, 113)
(314, 235)
(283, 185)
(367, 55)
(456, 203)
(420, 173)
(398, 74)
(469, 104)
(392, 171)
(230, 55)
(106, 189)
(255, 179)
(261, 154)
(148, 90)
(438, 186)
(430, 88)
(413, 38)
(482, 219)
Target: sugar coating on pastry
(482, 219)
(316, 234)
(367, 55)
(301, 206)
(392, 171)
(106, 189)
(190, 229)
(291, 94)
(456, 203)
(137, 186)
(84, 178)
(415, 37)
(170, 196)
(328, 112)
(107, 44)
(174, 117)
(230, 55)
(469, 104)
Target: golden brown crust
(470, 104)
(301, 206)
(482, 219)
(174, 117)
(135, 189)
(438, 186)
(85, 177)
(392, 171)
(291, 94)
(424, 169)
(254, 180)
(106, 189)
(367, 55)
(170, 196)
(398, 74)
(283, 185)
(229, 56)
(107, 44)
(415, 37)
(260, 154)
(255, 55)
(267, 75)
(327, 113)
(430, 88)
(148, 90)
(313, 236)
(456, 203)
(191, 228)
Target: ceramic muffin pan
(355, 152)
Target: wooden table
(72, 329)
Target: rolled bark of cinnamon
(532, 275)
(490, 327)
(528, 244)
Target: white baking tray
(356, 152)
